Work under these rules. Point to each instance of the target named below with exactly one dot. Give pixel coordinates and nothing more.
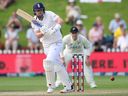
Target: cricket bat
(30, 18)
(24, 15)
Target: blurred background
(87, 12)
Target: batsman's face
(39, 12)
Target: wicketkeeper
(77, 43)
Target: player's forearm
(61, 53)
(87, 60)
(59, 21)
(89, 47)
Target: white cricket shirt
(49, 20)
(76, 46)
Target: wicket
(77, 66)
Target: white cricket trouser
(53, 55)
(88, 72)
(52, 52)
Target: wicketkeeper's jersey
(77, 46)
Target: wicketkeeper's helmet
(74, 30)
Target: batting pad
(50, 74)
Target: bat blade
(24, 15)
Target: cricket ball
(112, 78)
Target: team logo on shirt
(75, 45)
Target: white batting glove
(44, 29)
(55, 28)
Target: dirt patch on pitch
(86, 93)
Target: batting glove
(44, 29)
(55, 28)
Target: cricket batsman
(74, 43)
(47, 28)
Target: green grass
(13, 84)
(105, 10)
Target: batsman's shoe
(57, 84)
(67, 89)
(93, 85)
(50, 90)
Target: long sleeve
(88, 46)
